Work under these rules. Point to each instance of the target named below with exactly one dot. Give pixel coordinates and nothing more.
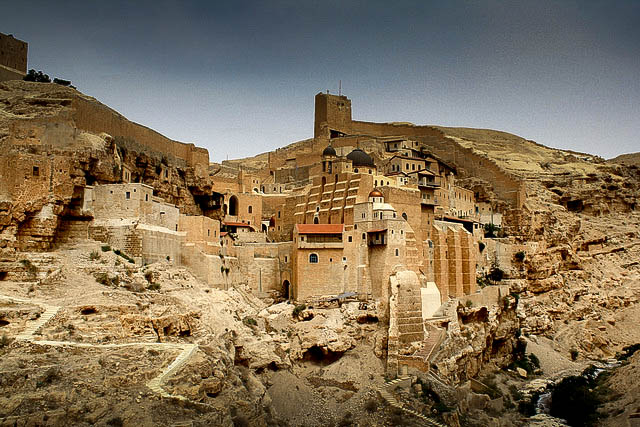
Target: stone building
(13, 58)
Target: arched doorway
(315, 220)
(264, 228)
(285, 289)
(233, 206)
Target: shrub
(298, 309)
(4, 341)
(29, 266)
(496, 274)
(124, 255)
(149, 276)
(490, 230)
(106, 280)
(468, 303)
(519, 256)
(250, 321)
(39, 77)
(371, 405)
(94, 255)
(105, 248)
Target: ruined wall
(13, 53)
(94, 117)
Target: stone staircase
(156, 383)
(409, 314)
(49, 313)
(385, 392)
(432, 343)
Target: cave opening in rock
(88, 310)
(4, 322)
(574, 205)
(321, 356)
(3, 275)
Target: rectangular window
(350, 239)
(128, 195)
(36, 171)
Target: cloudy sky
(239, 77)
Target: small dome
(329, 151)
(375, 193)
(360, 158)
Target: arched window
(313, 258)
(404, 215)
(397, 252)
(250, 209)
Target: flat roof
(377, 230)
(319, 228)
(237, 224)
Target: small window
(344, 259)
(36, 171)
(302, 238)
(208, 232)
(397, 252)
(278, 214)
(350, 239)
(364, 236)
(128, 194)
(286, 258)
(330, 259)
(166, 173)
(146, 197)
(313, 258)
(250, 209)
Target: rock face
(53, 144)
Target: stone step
(409, 320)
(411, 328)
(409, 314)
(411, 337)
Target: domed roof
(360, 158)
(329, 151)
(375, 193)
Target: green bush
(36, 76)
(299, 309)
(490, 230)
(94, 255)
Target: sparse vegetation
(106, 280)
(4, 341)
(37, 76)
(371, 406)
(124, 255)
(250, 321)
(298, 309)
(29, 266)
(490, 230)
(94, 256)
(468, 303)
(154, 286)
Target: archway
(315, 220)
(285, 289)
(233, 206)
(264, 228)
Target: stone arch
(233, 206)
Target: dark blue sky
(239, 77)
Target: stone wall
(95, 117)
(13, 53)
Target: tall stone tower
(333, 116)
(13, 58)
